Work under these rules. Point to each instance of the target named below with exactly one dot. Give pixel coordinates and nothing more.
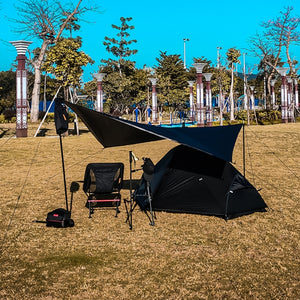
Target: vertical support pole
(64, 172)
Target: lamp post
(99, 77)
(191, 84)
(21, 86)
(200, 101)
(297, 105)
(272, 82)
(184, 52)
(218, 57)
(154, 100)
(290, 107)
(284, 116)
(209, 119)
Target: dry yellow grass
(181, 257)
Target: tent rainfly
(194, 177)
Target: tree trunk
(35, 100)
(231, 97)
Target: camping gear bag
(59, 218)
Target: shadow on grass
(42, 132)
(3, 133)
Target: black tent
(186, 180)
(195, 177)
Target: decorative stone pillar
(284, 113)
(273, 103)
(200, 99)
(192, 112)
(209, 118)
(99, 77)
(21, 86)
(297, 105)
(290, 106)
(154, 100)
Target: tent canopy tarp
(111, 131)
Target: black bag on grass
(59, 218)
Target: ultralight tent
(186, 180)
(194, 177)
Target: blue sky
(161, 26)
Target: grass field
(181, 257)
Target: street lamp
(209, 119)
(21, 88)
(290, 107)
(272, 82)
(191, 85)
(200, 101)
(154, 100)
(297, 105)
(218, 57)
(99, 77)
(284, 116)
(184, 52)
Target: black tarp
(189, 181)
(112, 131)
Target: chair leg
(90, 209)
(117, 207)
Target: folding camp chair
(103, 183)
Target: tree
(45, 20)
(232, 57)
(7, 90)
(119, 46)
(279, 34)
(65, 62)
(172, 79)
